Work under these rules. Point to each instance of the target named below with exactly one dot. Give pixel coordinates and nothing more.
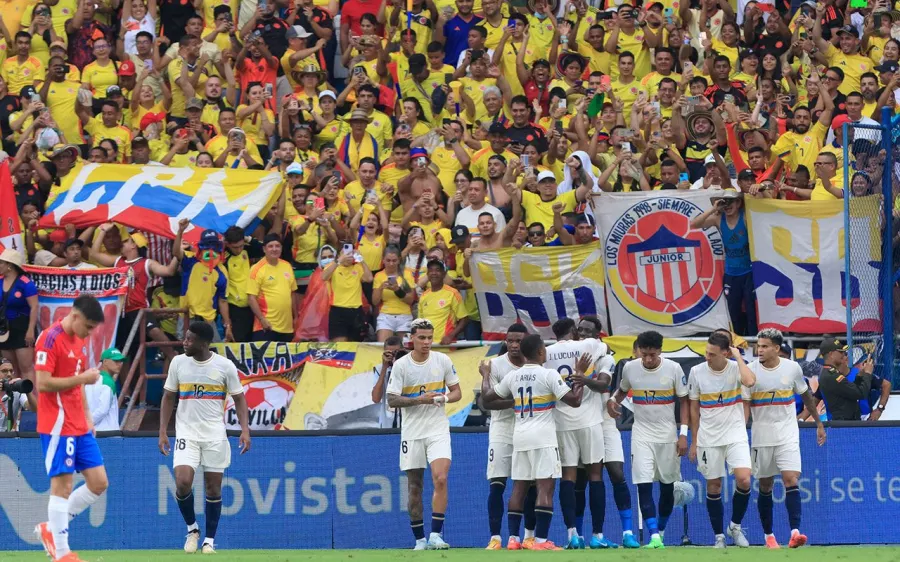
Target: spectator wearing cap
(298, 54)
(714, 175)
(840, 386)
(271, 30)
(204, 280)
(358, 143)
(306, 94)
(346, 276)
(419, 83)
(73, 252)
(108, 125)
(137, 17)
(728, 215)
(271, 293)
(83, 31)
(51, 251)
(256, 64)
(584, 230)
(538, 207)
(140, 152)
(23, 69)
(328, 124)
(63, 159)
(23, 122)
(9, 103)
(60, 95)
(237, 153)
(240, 251)
(201, 133)
(443, 306)
(499, 145)
(58, 49)
(181, 154)
(847, 57)
(102, 396)
(132, 254)
(102, 72)
(18, 313)
(151, 128)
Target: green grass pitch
(672, 554)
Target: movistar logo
(26, 507)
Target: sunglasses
(536, 233)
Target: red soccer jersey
(62, 355)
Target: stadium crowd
(411, 134)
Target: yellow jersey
(444, 308)
(390, 302)
(346, 286)
(273, 286)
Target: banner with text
(797, 248)
(154, 198)
(660, 273)
(59, 287)
(537, 287)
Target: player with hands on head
(656, 448)
(774, 432)
(422, 383)
(201, 381)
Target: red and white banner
(10, 226)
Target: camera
(23, 386)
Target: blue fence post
(848, 277)
(887, 297)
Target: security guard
(842, 387)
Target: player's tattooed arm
(397, 401)
(809, 402)
(496, 403)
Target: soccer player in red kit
(65, 423)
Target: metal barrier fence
(867, 179)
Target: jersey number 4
(522, 392)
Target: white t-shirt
(133, 27)
(653, 393)
(772, 403)
(561, 357)
(503, 422)
(104, 405)
(203, 388)
(721, 408)
(411, 379)
(468, 217)
(535, 390)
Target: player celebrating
(201, 380)
(775, 435)
(656, 447)
(417, 384)
(500, 441)
(535, 390)
(580, 431)
(720, 432)
(67, 433)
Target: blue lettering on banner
(296, 492)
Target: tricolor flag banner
(59, 287)
(661, 274)
(154, 198)
(797, 249)
(10, 225)
(537, 287)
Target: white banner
(660, 274)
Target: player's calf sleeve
(623, 503)
(495, 506)
(81, 499)
(792, 503)
(543, 515)
(186, 506)
(58, 520)
(530, 502)
(598, 505)
(765, 506)
(514, 522)
(666, 503)
(740, 499)
(567, 502)
(716, 513)
(213, 512)
(648, 507)
(437, 523)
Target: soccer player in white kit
(720, 432)
(656, 447)
(775, 436)
(580, 431)
(500, 440)
(535, 391)
(201, 381)
(418, 384)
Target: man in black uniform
(840, 386)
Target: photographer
(393, 350)
(16, 396)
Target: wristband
(683, 430)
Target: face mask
(325, 262)
(540, 16)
